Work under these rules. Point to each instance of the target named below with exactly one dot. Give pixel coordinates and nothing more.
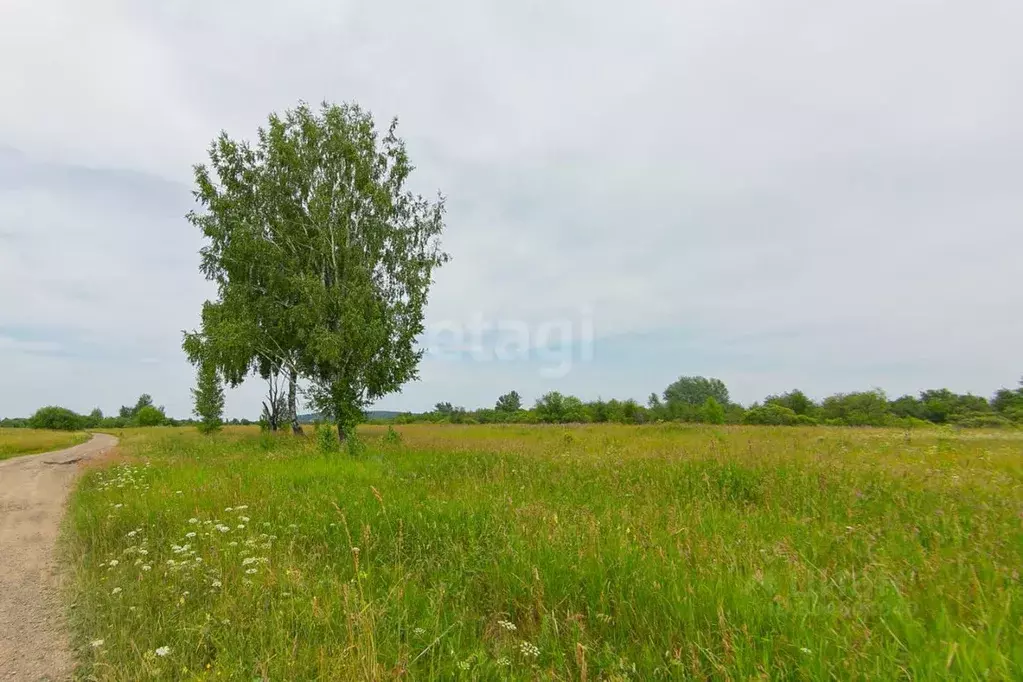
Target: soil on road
(33, 493)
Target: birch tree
(323, 259)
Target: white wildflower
(529, 650)
(193, 520)
(116, 590)
(251, 571)
(96, 643)
(163, 651)
(509, 626)
(114, 562)
(190, 535)
(147, 567)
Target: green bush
(56, 418)
(712, 412)
(771, 415)
(326, 438)
(150, 416)
(983, 421)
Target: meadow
(15, 442)
(561, 553)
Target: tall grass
(15, 442)
(584, 553)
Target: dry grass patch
(16, 442)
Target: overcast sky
(802, 193)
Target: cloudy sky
(801, 193)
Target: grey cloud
(843, 176)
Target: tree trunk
(296, 428)
(340, 432)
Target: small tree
(209, 398)
(551, 408)
(94, 419)
(509, 402)
(692, 392)
(795, 400)
(713, 412)
(150, 416)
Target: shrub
(57, 418)
(150, 416)
(713, 412)
(772, 415)
(326, 438)
(983, 421)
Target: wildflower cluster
(528, 650)
(194, 562)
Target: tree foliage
(509, 402)
(694, 392)
(208, 396)
(713, 412)
(795, 400)
(150, 416)
(322, 258)
(56, 418)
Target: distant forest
(706, 400)
(689, 399)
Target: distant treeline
(703, 400)
(690, 399)
(142, 413)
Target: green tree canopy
(509, 402)
(58, 418)
(322, 258)
(692, 392)
(795, 400)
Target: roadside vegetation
(549, 552)
(15, 442)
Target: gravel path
(33, 492)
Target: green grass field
(15, 442)
(585, 553)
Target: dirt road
(33, 491)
